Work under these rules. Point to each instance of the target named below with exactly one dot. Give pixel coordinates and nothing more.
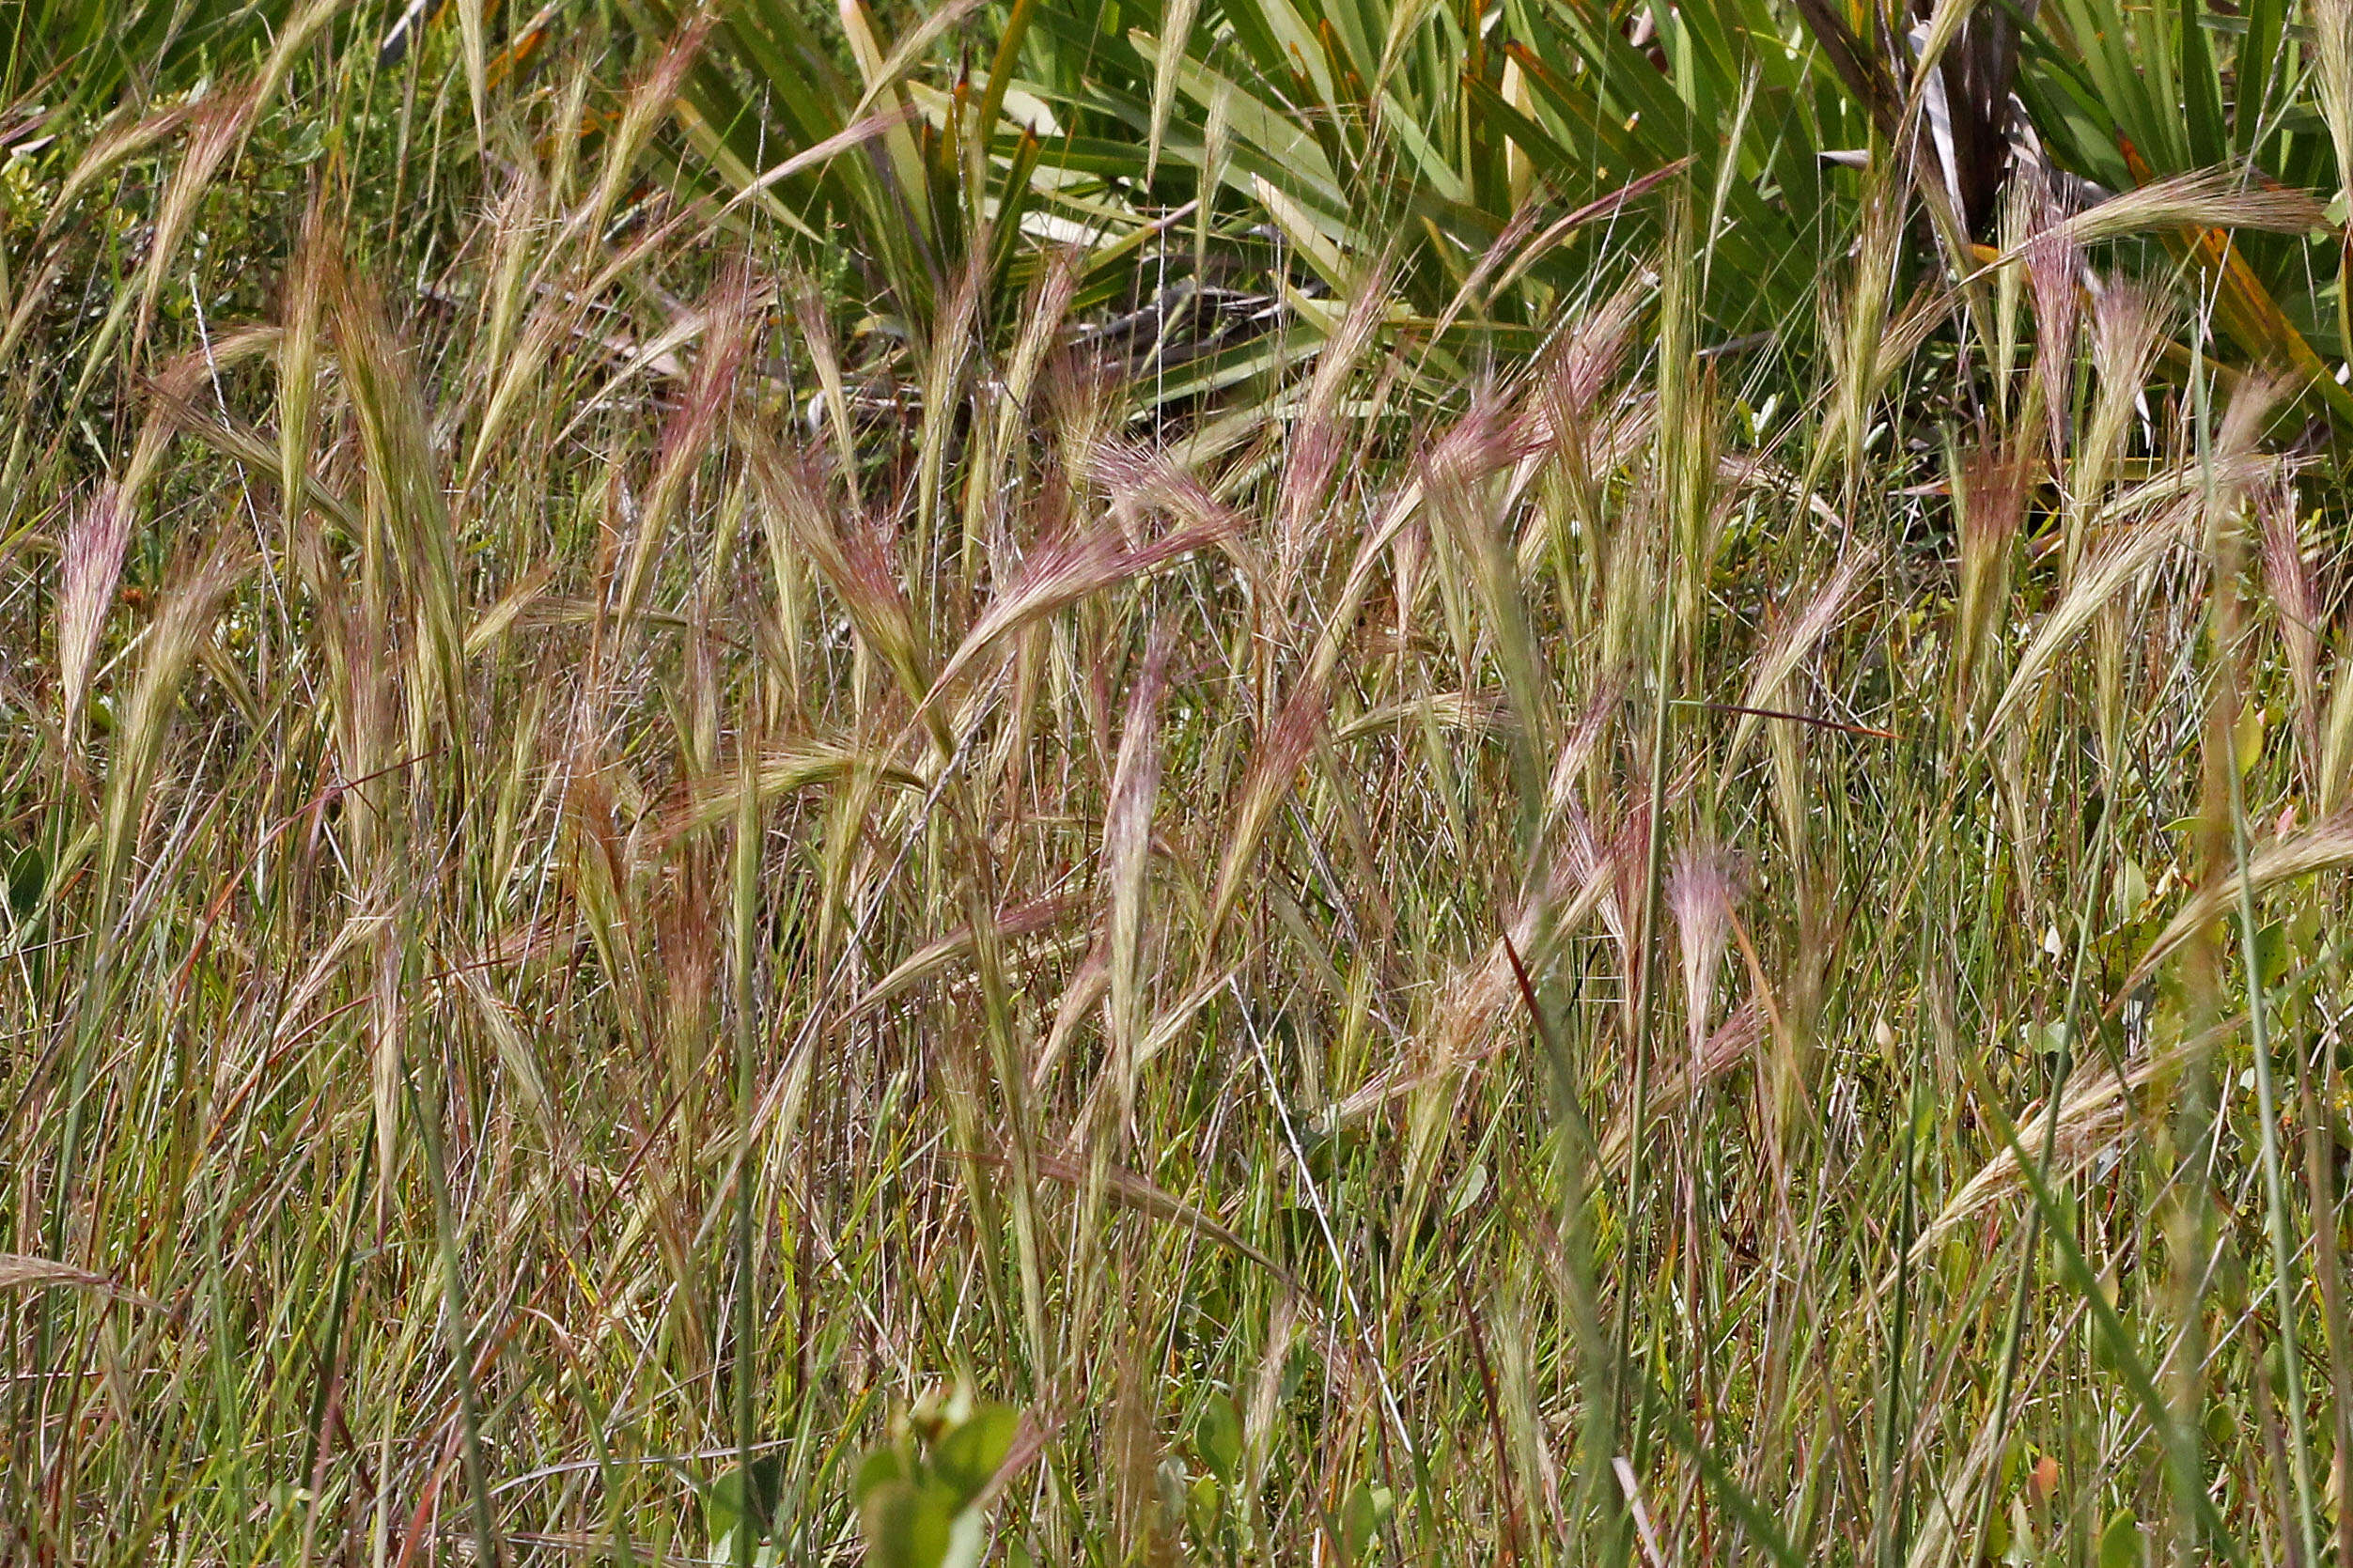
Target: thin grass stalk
(331, 1349)
(2276, 1222)
(456, 1333)
(1674, 304)
(2322, 1201)
(746, 908)
(1889, 1504)
(2012, 1336)
(1572, 1247)
(2199, 1115)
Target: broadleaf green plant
(922, 1499)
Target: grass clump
(678, 894)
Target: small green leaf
(1205, 1501)
(724, 1505)
(1367, 1509)
(2129, 891)
(908, 1525)
(882, 1466)
(1301, 1237)
(1997, 1537)
(1217, 1438)
(2120, 1542)
(2273, 957)
(1469, 1191)
(2248, 737)
(28, 879)
(967, 1541)
(967, 1457)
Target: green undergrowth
(682, 886)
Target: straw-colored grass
(627, 883)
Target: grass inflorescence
(766, 801)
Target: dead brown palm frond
(1968, 58)
(1857, 62)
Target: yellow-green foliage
(1399, 868)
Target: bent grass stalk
(734, 836)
